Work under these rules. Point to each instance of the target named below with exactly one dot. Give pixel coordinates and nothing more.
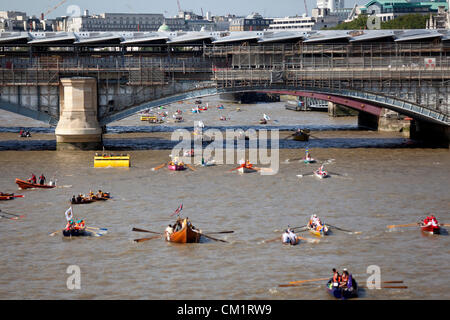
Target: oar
(98, 229)
(402, 225)
(190, 167)
(348, 231)
(445, 225)
(291, 283)
(304, 175)
(145, 239)
(309, 240)
(219, 232)
(263, 169)
(272, 240)
(142, 230)
(159, 167)
(53, 233)
(12, 214)
(215, 239)
(237, 168)
(11, 218)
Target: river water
(377, 179)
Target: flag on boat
(266, 117)
(69, 214)
(178, 210)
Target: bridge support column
(431, 133)
(336, 110)
(388, 121)
(78, 127)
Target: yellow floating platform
(148, 118)
(104, 161)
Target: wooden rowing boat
(185, 235)
(342, 293)
(23, 184)
(320, 232)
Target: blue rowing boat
(342, 292)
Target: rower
(168, 232)
(336, 276)
(42, 179)
(434, 221)
(73, 200)
(344, 278)
(293, 237)
(32, 179)
(285, 238)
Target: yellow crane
(50, 10)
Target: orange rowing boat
(23, 184)
(185, 235)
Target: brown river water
(377, 179)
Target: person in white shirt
(168, 232)
(286, 237)
(292, 236)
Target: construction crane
(50, 10)
(306, 8)
(179, 7)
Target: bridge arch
(362, 101)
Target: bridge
(80, 82)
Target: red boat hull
(28, 185)
(431, 229)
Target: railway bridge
(80, 82)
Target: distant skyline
(169, 8)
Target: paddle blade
(158, 167)
(189, 166)
(145, 239)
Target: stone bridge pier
(78, 127)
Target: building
(441, 20)
(116, 22)
(320, 18)
(390, 9)
(332, 5)
(253, 22)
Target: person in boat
(285, 237)
(248, 164)
(336, 276)
(42, 179)
(79, 198)
(344, 278)
(168, 232)
(32, 179)
(21, 133)
(28, 134)
(73, 200)
(91, 194)
(177, 225)
(293, 237)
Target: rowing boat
(342, 293)
(309, 160)
(176, 167)
(320, 231)
(102, 161)
(185, 235)
(430, 229)
(28, 185)
(321, 175)
(76, 233)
